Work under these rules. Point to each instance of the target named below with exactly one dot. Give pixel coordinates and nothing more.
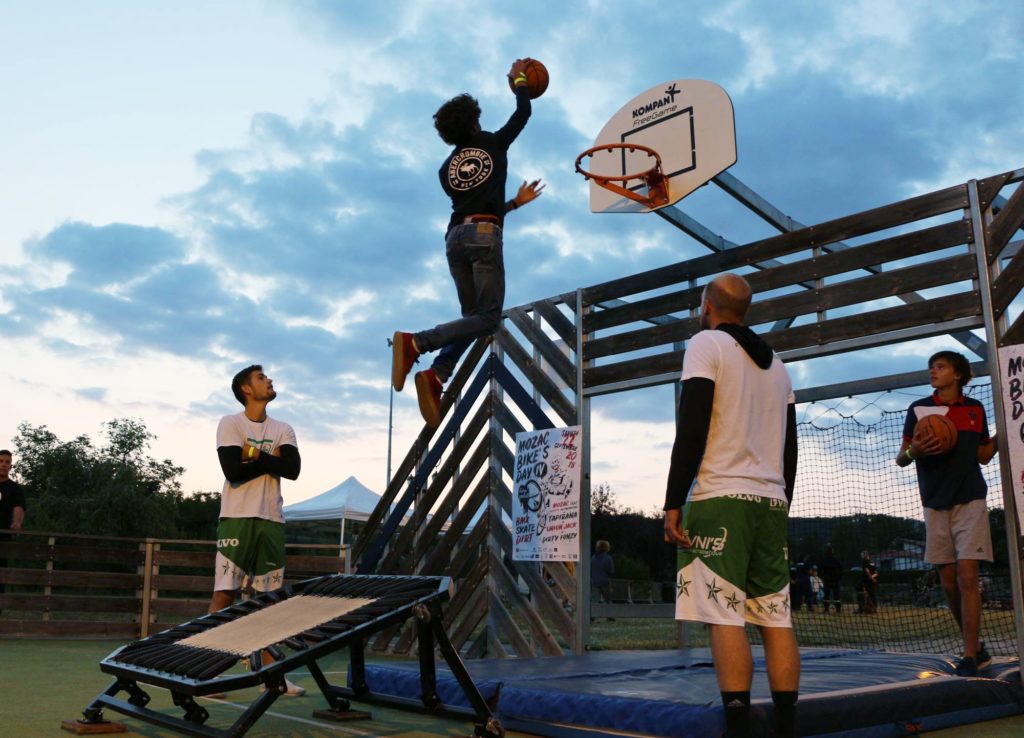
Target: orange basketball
(536, 78)
(940, 427)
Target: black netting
(851, 495)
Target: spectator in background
(816, 589)
(602, 567)
(12, 502)
(868, 585)
(831, 575)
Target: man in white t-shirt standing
(255, 451)
(736, 435)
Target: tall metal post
(993, 331)
(581, 641)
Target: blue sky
(189, 187)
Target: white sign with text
(546, 503)
(1011, 375)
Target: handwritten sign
(1011, 370)
(546, 504)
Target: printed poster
(1011, 369)
(546, 500)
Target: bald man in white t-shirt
(736, 446)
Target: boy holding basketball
(473, 176)
(953, 493)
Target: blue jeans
(475, 260)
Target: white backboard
(689, 122)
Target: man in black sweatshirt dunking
(473, 176)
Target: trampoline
(856, 693)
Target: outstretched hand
(528, 192)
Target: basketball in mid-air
(536, 78)
(940, 427)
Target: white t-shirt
(259, 497)
(747, 436)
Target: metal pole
(581, 641)
(993, 333)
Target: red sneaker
(403, 356)
(428, 391)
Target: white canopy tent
(350, 500)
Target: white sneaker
(293, 690)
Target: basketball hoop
(656, 181)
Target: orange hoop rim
(654, 178)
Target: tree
(114, 490)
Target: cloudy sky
(190, 187)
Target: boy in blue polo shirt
(953, 494)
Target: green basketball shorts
(250, 552)
(736, 570)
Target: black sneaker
(967, 667)
(983, 658)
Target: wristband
(909, 455)
(512, 205)
(521, 79)
(250, 451)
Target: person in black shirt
(831, 576)
(12, 502)
(473, 176)
(868, 585)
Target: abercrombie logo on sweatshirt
(469, 168)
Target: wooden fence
(70, 585)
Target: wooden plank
(545, 599)
(507, 627)
(877, 322)
(554, 317)
(838, 262)
(550, 391)
(469, 550)
(1015, 333)
(507, 586)
(622, 371)
(405, 540)
(69, 603)
(558, 362)
(176, 610)
(68, 629)
(466, 370)
(315, 564)
(865, 289)
(199, 559)
(989, 187)
(1005, 224)
(1008, 284)
(440, 560)
(859, 224)
(433, 530)
(32, 550)
(472, 615)
(184, 582)
(841, 294)
(905, 316)
(77, 579)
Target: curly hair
(457, 120)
